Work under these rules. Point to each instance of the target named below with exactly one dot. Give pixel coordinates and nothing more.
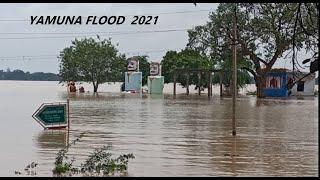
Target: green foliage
(100, 161)
(61, 165)
(61, 168)
(69, 69)
(187, 59)
(264, 32)
(309, 23)
(91, 61)
(213, 40)
(144, 67)
(243, 77)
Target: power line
(26, 56)
(164, 13)
(94, 32)
(100, 34)
(38, 57)
(41, 60)
(56, 55)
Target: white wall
(309, 88)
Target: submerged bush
(61, 168)
(100, 162)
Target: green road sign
(52, 115)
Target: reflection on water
(186, 136)
(52, 139)
(191, 135)
(48, 143)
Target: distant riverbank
(27, 76)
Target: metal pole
(234, 94)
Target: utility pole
(234, 75)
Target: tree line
(27, 76)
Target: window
(300, 86)
(273, 82)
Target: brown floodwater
(187, 136)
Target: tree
(187, 59)
(243, 77)
(223, 62)
(69, 69)
(265, 32)
(307, 18)
(144, 67)
(91, 61)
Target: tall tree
(307, 18)
(91, 61)
(265, 32)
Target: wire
(25, 56)
(38, 57)
(164, 13)
(100, 34)
(95, 32)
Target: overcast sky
(42, 52)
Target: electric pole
(234, 76)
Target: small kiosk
(155, 80)
(133, 78)
(277, 81)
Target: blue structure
(276, 84)
(133, 81)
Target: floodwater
(186, 136)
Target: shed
(277, 83)
(304, 87)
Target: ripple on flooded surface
(186, 136)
